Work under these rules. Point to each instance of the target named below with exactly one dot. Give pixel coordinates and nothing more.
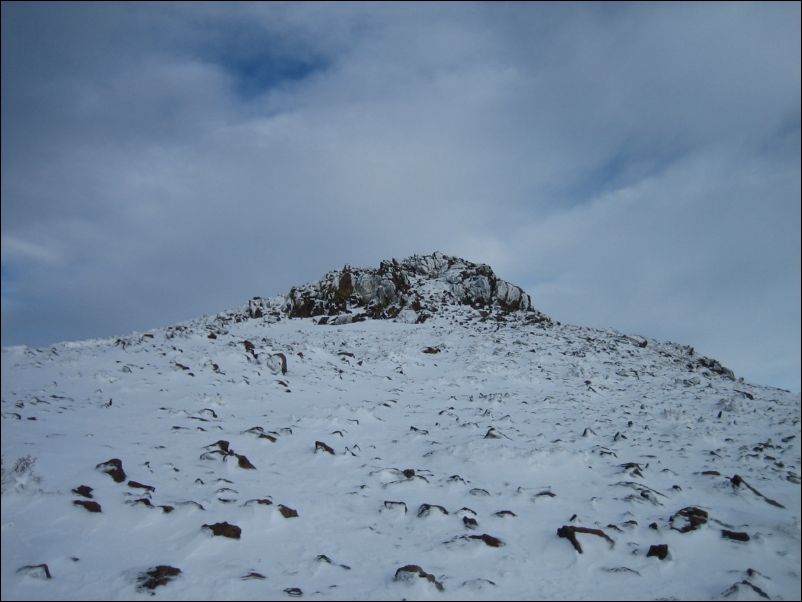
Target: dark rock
(113, 468)
(167, 509)
(83, 490)
(737, 481)
(278, 362)
(410, 571)
(432, 350)
(735, 588)
(159, 575)
(470, 523)
(661, 551)
(295, 592)
(249, 348)
(425, 509)
(287, 512)
(260, 501)
(504, 513)
(137, 485)
(409, 473)
(569, 532)
(39, 571)
(243, 462)
(142, 500)
(391, 505)
(253, 575)
(688, 519)
(225, 530)
(493, 542)
(319, 445)
(736, 535)
(91, 506)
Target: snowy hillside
(415, 431)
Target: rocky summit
(414, 431)
(410, 291)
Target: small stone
(243, 462)
(113, 468)
(136, 485)
(83, 490)
(39, 571)
(159, 575)
(225, 530)
(287, 512)
(405, 573)
(736, 535)
(91, 506)
(295, 592)
(319, 445)
(661, 551)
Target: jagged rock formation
(410, 290)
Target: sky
(631, 166)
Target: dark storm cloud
(633, 166)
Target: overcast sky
(633, 166)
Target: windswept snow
(460, 447)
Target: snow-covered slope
(474, 441)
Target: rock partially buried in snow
(157, 576)
(411, 571)
(688, 519)
(113, 468)
(224, 530)
(38, 571)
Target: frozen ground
(524, 429)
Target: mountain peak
(410, 290)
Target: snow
(529, 419)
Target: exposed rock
(504, 513)
(737, 481)
(393, 291)
(319, 445)
(261, 501)
(688, 519)
(660, 550)
(252, 575)
(410, 571)
(493, 542)
(390, 505)
(569, 532)
(470, 523)
(83, 490)
(294, 592)
(735, 589)
(39, 571)
(113, 468)
(736, 535)
(425, 509)
(136, 485)
(159, 575)
(409, 472)
(277, 363)
(243, 462)
(287, 512)
(91, 506)
(225, 530)
(432, 350)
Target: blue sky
(632, 166)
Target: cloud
(632, 166)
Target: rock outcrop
(409, 290)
